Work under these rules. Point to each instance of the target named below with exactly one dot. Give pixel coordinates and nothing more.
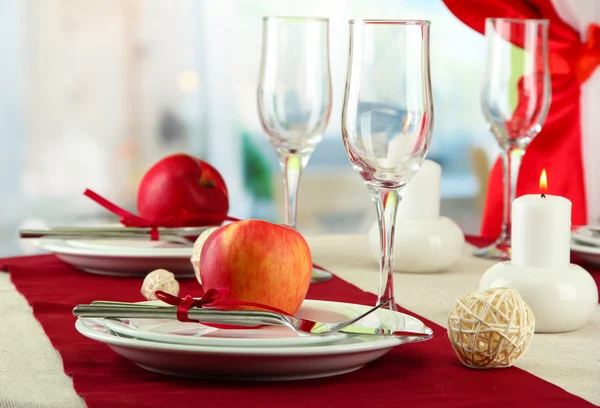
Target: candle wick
(543, 195)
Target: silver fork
(103, 309)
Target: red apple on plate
(258, 261)
(181, 190)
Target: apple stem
(209, 184)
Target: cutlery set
(249, 318)
(183, 235)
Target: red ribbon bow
(129, 219)
(184, 305)
(211, 298)
(583, 60)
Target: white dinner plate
(121, 257)
(271, 363)
(584, 236)
(173, 331)
(587, 253)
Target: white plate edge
(59, 246)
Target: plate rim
(60, 246)
(577, 238)
(584, 249)
(316, 350)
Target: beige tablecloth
(31, 370)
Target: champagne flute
(294, 97)
(387, 118)
(515, 100)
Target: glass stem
(511, 160)
(292, 165)
(386, 201)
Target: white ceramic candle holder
(422, 246)
(424, 241)
(562, 299)
(562, 296)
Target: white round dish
(121, 257)
(586, 253)
(583, 235)
(259, 363)
(173, 331)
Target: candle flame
(407, 122)
(544, 182)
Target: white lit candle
(421, 198)
(541, 230)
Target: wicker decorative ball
(490, 328)
(195, 259)
(160, 279)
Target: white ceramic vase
(422, 245)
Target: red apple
(181, 190)
(259, 262)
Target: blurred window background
(94, 92)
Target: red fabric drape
(557, 148)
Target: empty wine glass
(294, 97)
(515, 99)
(387, 118)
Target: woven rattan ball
(490, 328)
(195, 259)
(160, 279)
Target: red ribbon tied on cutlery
(129, 219)
(210, 298)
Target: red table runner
(421, 374)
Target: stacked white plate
(266, 353)
(585, 243)
(127, 257)
(121, 257)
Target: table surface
(31, 371)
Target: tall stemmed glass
(515, 99)
(387, 118)
(294, 97)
